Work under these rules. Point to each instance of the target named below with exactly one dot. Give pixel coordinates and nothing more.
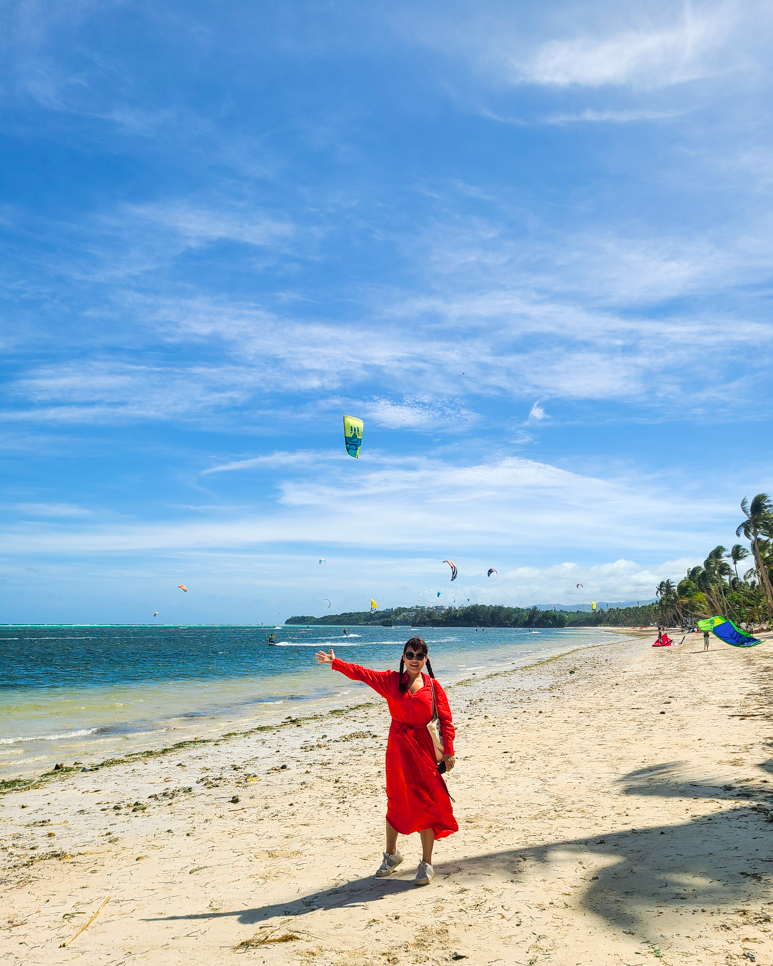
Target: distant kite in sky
(327, 601)
(373, 605)
(155, 613)
(323, 561)
(353, 435)
(579, 585)
(491, 571)
(183, 588)
(454, 571)
(439, 593)
(593, 605)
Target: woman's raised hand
(323, 658)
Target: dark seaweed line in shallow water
(59, 772)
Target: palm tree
(759, 521)
(737, 553)
(710, 580)
(668, 600)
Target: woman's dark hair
(419, 647)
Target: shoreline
(180, 711)
(62, 771)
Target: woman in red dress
(417, 797)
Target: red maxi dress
(417, 797)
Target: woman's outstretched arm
(378, 680)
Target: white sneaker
(424, 874)
(389, 864)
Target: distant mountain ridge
(603, 604)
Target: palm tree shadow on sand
(717, 860)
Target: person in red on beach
(417, 797)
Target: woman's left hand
(450, 761)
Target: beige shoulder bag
(434, 727)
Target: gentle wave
(341, 637)
(35, 637)
(66, 734)
(309, 643)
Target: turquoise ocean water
(90, 692)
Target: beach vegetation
(758, 522)
(715, 588)
(495, 615)
(668, 602)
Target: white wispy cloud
(109, 391)
(421, 415)
(196, 226)
(611, 116)
(587, 116)
(420, 503)
(478, 338)
(276, 460)
(596, 44)
(64, 510)
(683, 50)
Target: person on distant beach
(705, 640)
(417, 797)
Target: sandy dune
(612, 808)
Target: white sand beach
(612, 806)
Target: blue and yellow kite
(726, 631)
(353, 435)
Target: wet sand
(612, 806)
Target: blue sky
(529, 245)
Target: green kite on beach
(726, 631)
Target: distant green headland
(485, 615)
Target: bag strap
(434, 706)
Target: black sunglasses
(410, 656)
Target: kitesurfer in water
(346, 632)
(417, 798)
